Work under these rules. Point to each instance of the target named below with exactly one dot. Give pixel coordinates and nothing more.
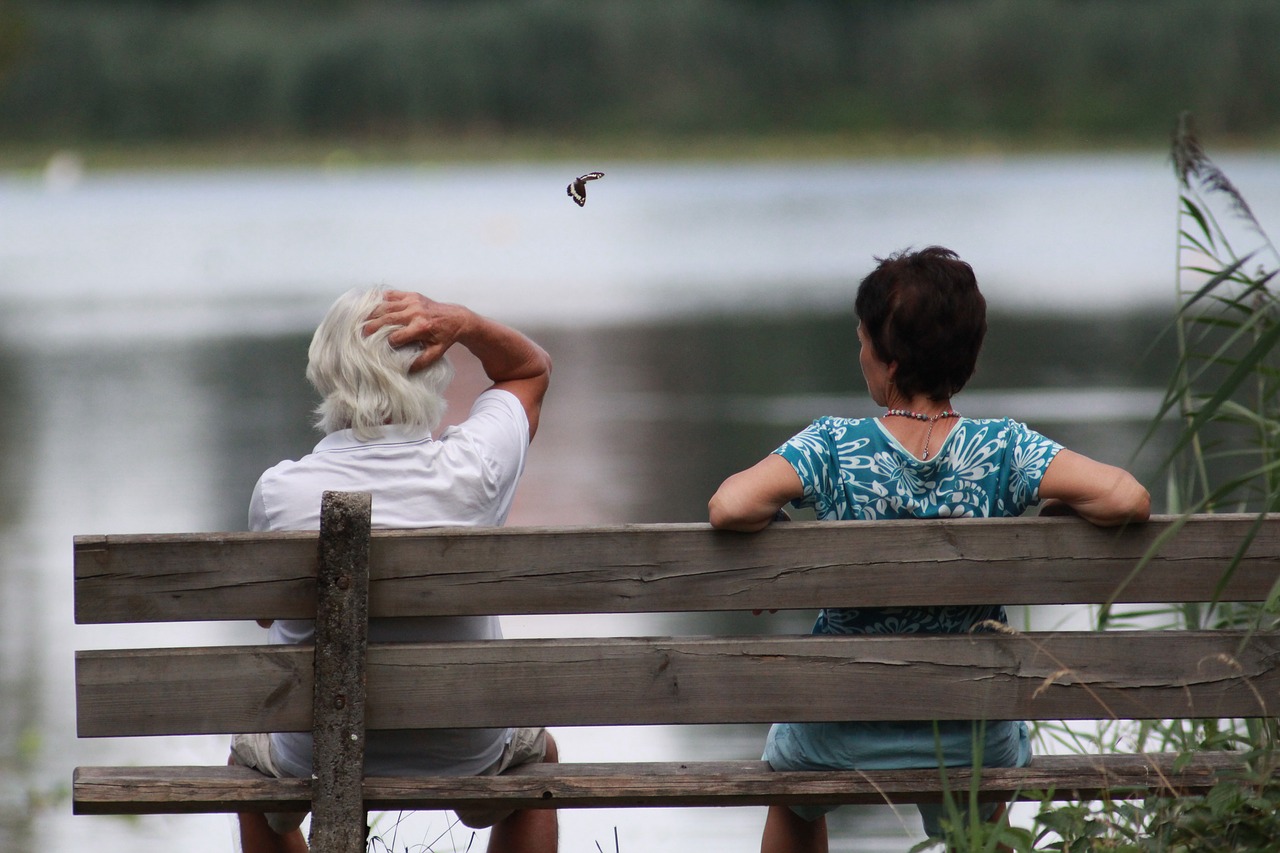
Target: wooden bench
(621, 681)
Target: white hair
(364, 381)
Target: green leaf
(1191, 209)
(1228, 386)
(1226, 274)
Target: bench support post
(338, 818)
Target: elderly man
(377, 360)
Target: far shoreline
(479, 148)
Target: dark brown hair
(924, 311)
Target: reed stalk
(1224, 394)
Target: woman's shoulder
(1002, 435)
(990, 421)
(841, 429)
(836, 422)
(1003, 426)
(826, 433)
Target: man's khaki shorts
(526, 746)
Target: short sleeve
(1029, 455)
(258, 521)
(492, 443)
(498, 421)
(810, 453)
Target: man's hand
(513, 362)
(434, 326)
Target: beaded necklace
(921, 416)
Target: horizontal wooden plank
(175, 790)
(625, 681)
(194, 691)
(655, 568)
(184, 790)
(178, 577)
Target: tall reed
(1226, 384)
(1224, 394)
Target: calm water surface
(153, 331)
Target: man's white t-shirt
(465, 478)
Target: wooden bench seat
(1034, 675)
(186, 790)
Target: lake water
(153, 329)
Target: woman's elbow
(1129, 501)
(725, 513)
(719, 512)
(1141, 509)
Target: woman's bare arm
(1102, 494)
(750, 499)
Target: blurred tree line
(125, 70)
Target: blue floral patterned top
(855, 469)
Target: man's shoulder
(498, 399)
(494, 413)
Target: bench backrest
(689, 567)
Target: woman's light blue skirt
(896, 746)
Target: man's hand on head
(513, 362)
(434, 326)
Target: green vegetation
(1226, 388)
(1039, 71)
(1226, 391)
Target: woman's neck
(918, 405)
(913, 424)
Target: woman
(921, 324)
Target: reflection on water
(642, 423)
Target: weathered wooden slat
(240, 689)
(679, 567)
(176, 577)
(176, 790)
(183, 790)
(1073, 675)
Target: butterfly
(578, 189)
